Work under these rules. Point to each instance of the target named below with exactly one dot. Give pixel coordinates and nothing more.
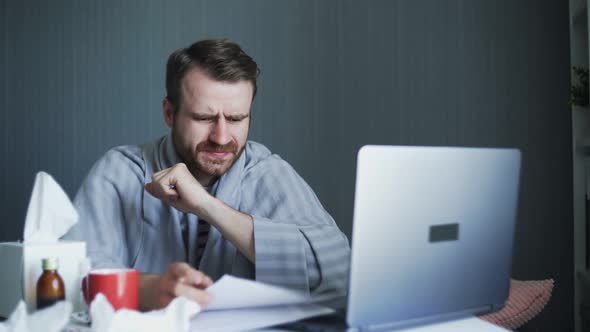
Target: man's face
(210, 128)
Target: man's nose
(219, 133)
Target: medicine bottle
(50, 286)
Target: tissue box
(21, 268)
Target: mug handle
(85, 290)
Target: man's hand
(179, 188)
(179, 280)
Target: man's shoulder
(120, 161)
(123, 154)
(260, 158)
(133, 154)
(256, 151)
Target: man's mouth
(216, 155)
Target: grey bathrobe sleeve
(297, 243)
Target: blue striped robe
(297, 243)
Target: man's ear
(168, 112)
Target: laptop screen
(432, 234)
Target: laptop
(432, 238)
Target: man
(204, 201)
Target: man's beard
(199, 164)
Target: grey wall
(78, 77)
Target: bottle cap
(49, 263)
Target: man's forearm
(235, 226)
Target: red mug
(120, 286)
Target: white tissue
(174, 318)
(50, 214)
(52, 319)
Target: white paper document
(235, 293)
(241, 304)
(250, 319)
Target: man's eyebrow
(238, 116)
(202, 115)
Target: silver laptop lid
(433, 233)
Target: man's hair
(221, 59)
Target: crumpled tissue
(175, 317)
(51, 319)
(50, 213)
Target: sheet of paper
(255, 318)
(233, 293)
(242, 304)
